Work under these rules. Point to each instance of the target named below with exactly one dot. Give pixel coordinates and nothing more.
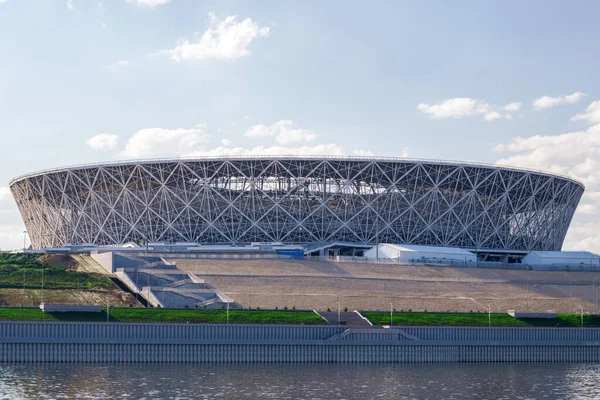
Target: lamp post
(339, 312)
(527, 290)
(24, 245)
(42, 284)
(377, 238)
(570, 296)
(530, 295)
(227, 313)
(596, 299)
(107, 309)
(391, 314)
(489, 315)
(595, 296)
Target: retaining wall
(136, 343)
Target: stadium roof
(288, 157)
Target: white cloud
(4, 191)
(453, 108)
(283, 132)
(575, 97)
(461, 107)
(11, 226)
(158, 142)
(318, 149)
(118, 64)
(103, 141)
(225, 40)
(547, 101)
(70, 5)
(575, 154)
(362, 152)
(11, 237)
(512, 107)
(148, 3)
(591, 113)
(492, 115)
(368, 153)
(583, 236)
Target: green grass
(24, 270)
(169, 315)
(24, 260)
(477, 319)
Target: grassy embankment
(477, 319)
(169, 315)
(25, 270)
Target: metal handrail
(288, 157)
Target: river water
(300, 381)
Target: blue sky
(507, 82)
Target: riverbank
(95, 342)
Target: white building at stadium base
(299, 200)
(413, 253)
(562, 258)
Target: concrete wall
(115, 342)
(140, 332)
(275, 353)
(105, 260)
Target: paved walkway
(350, 319)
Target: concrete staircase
(161, 284)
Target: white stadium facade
(299, 200)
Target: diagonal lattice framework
(298, 200)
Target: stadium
(298, 200)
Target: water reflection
(297, 381)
